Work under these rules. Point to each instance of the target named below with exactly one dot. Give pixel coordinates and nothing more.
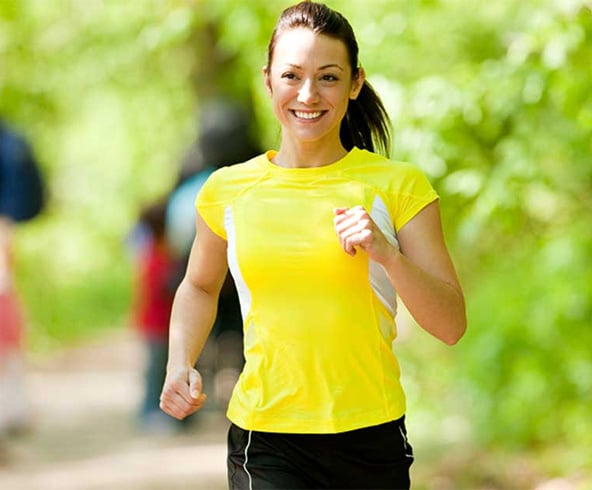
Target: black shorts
(372, 457)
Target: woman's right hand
(182, 393)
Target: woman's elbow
(455, 332)
(458, 322)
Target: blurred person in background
(320, 236)
(154, 286)
(22, 197)
(14, 404)
(224, 138)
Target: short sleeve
(210, 202)
(413, 193)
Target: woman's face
(310, 84)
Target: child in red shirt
(154, 290)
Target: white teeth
(307, 115)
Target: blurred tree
(504, 129)
(492, 101)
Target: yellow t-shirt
(318, 323)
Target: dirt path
(83, 435)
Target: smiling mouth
(307, 115)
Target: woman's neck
(307, 156)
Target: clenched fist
(356, 229)
(182, 393)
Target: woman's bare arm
(421, 272)
(425, 279)
(193, 314)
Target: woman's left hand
(355, 228)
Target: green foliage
(504, 131)
(492, 101)
(101, 90)
(507, 141)
(528, 360)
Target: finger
(170, 407)
(176, 391)
(353, 224)
(195, 383)
(178, 407)
(188, 386)
(345, 215)
(351, 217)
(349, 224)
(339, 217)
(355, 229)
(343, 222)
(348, 246)
(344, 232)
(356, 211)
(360, 238)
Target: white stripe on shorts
(246, 460)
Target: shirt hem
(286, 426)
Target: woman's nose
(308, 92)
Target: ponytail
(366, 123)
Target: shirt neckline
(304, 172)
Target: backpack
(22, 192)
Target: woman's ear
(357, 83)
(267, 80)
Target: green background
(493, 100)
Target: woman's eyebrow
(332, 65)
(324, 67)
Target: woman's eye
(289, 76)
(329, 78)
